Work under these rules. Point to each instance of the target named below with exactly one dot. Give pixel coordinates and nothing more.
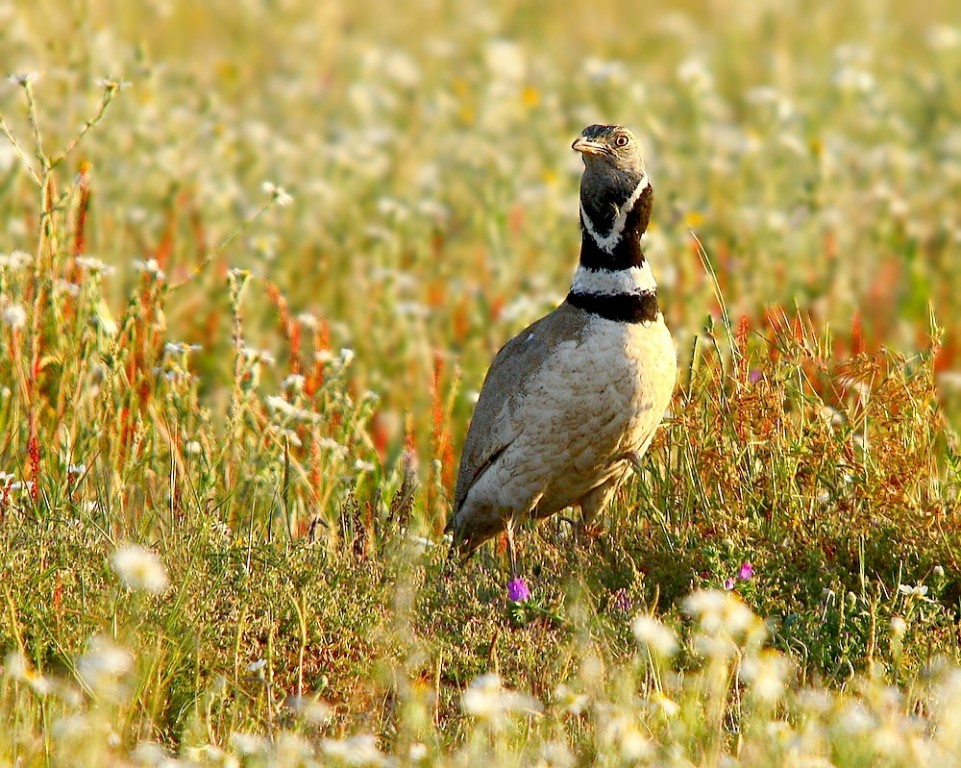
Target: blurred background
(813, 148)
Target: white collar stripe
(608, 242)
(614, 282)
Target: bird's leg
(592, 505)
(511, 549)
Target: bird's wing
(497, 419)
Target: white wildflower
(176, 348)
(281, 406)
(150, 267)
(23, 78)
(913, 591)
(718, 612)
(487, 699)
(17, 667)
(329, 444)
(65, 286)
(290, 436)
(308, 320)
(719, 648)
(257, 666)
(418, 751)
(556, 754)
(898, 626)
(311, 709)
(622, 733)
(261, 356)
(140, 569)
(505, 60)
(414, 309)
(112, 84)
(248, 743)
(364, 466)
(766, 674)
(103, 663)
(891, 743)
(402, 69)
(346, 356)
(356, 751)
(855, 719)
(694, 73)
(15, 316)
(94, 266)
(15, 260)
(432, 209)
(654, 635)
(71, 728)
(277, 194)
(664, 705)
(294, 382)
(942, 37)
(149, 753)
(569, 701)
(854, 80)
(604, 70)
(393, 208)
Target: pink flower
(746, 572)
(518, 591)
(729, 582)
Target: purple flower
(746, 572)
(755, 376)
(729, 582)
(518, 591)
(622, 601)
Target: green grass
(269, 395)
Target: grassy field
(256, 257)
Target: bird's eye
(622, 140)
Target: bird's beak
(587, 147)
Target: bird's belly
(599, 399)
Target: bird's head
(614, 184)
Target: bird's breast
(603, 392)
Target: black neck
(627, 252)
(620, 307)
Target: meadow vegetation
(255, 260)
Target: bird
(572, 402)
